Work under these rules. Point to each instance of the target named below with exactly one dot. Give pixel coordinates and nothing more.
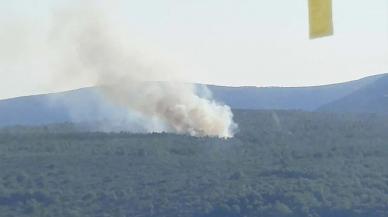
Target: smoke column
(90, 46)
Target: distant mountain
(287, 98)
(372, 98)
(31, 110)
(87, 104)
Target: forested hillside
(280, 164)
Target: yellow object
(321, 21)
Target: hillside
(88, 104)
(280, 164)
(372, 98)
(287, 98)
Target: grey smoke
(87, 44)
(89, 108)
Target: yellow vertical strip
(321, 21)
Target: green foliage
(280, 164)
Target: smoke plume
(90, 45)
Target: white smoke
(86, 44)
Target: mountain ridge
(89, 103)
(372, 98)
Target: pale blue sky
(227, 42)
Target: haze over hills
(367, 95)
(372, 98)
(288, 98)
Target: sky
(224, 42)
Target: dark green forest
(279, 164)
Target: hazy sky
(227, 42)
